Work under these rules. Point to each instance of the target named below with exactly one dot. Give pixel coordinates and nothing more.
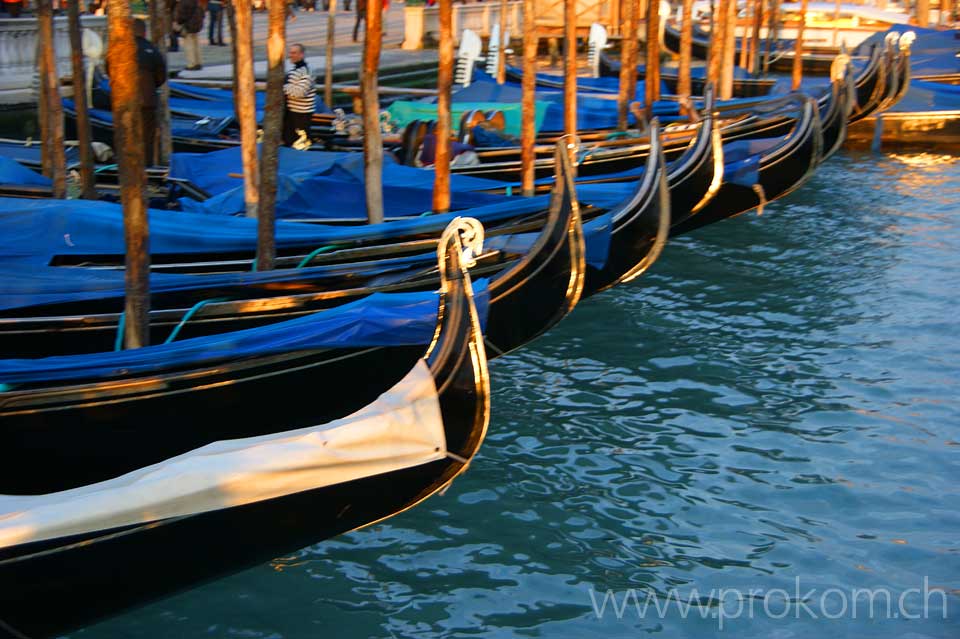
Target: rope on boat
(314, 253)
(106, 167)
(758, 189)
(193, 311)
(118, 341)
(491, 346)
(457, 458)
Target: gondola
(188, 134)
(816, 60)
(834, 114)
(742, 87)
(781, 167)
(643, 233)
(541, 272)
(188, 243)
(257, 455)
(899, 63)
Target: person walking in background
(361, 16)
(300, 95)
(174, 28)
(215, 28)
(189, 17)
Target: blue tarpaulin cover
(320, 184)
(924, 96)
(382, 319)
(12, 172)
(34, 231)
(934, 52)
(29, 154)
(24, 285)
(741, 159)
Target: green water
(777, 400)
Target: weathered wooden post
(798, 48)
(246, 106)
(441, 134)
(686, 49)
(159, 30)
(717, 37)
(628, 63)
(773, 33)
(53, 110)
(328, 71)
(653, 57)
(128, 128)
(84, 134)
(570, 68)
(753, 62)
(729, 51)
(836, 22)
(502, 59)
(372, 140)
(528, 132)
(272, 126)
(744, 43)
(923, 13)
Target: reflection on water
(776, 400)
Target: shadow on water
(776, 400)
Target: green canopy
(404, 112)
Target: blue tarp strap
(193, 311)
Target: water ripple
(776, 399)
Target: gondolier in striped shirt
(301, 96)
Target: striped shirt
(299, 89)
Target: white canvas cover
(401, 429)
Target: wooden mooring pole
(686, 49)
(128, 129)
(717, 37)
(272, 126)
(159, 30)
(372, 140)
(528, 132)
(570, 67)
(729, 51)
(441, 165)
(798, 49)
(53, 110)
(652, 82)
(84, 133)
(328, 70)
(628, 63)
(246, 106)
(502, 47)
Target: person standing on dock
(215, 28)
(189, 20)
(300, 93)
(153, 73)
